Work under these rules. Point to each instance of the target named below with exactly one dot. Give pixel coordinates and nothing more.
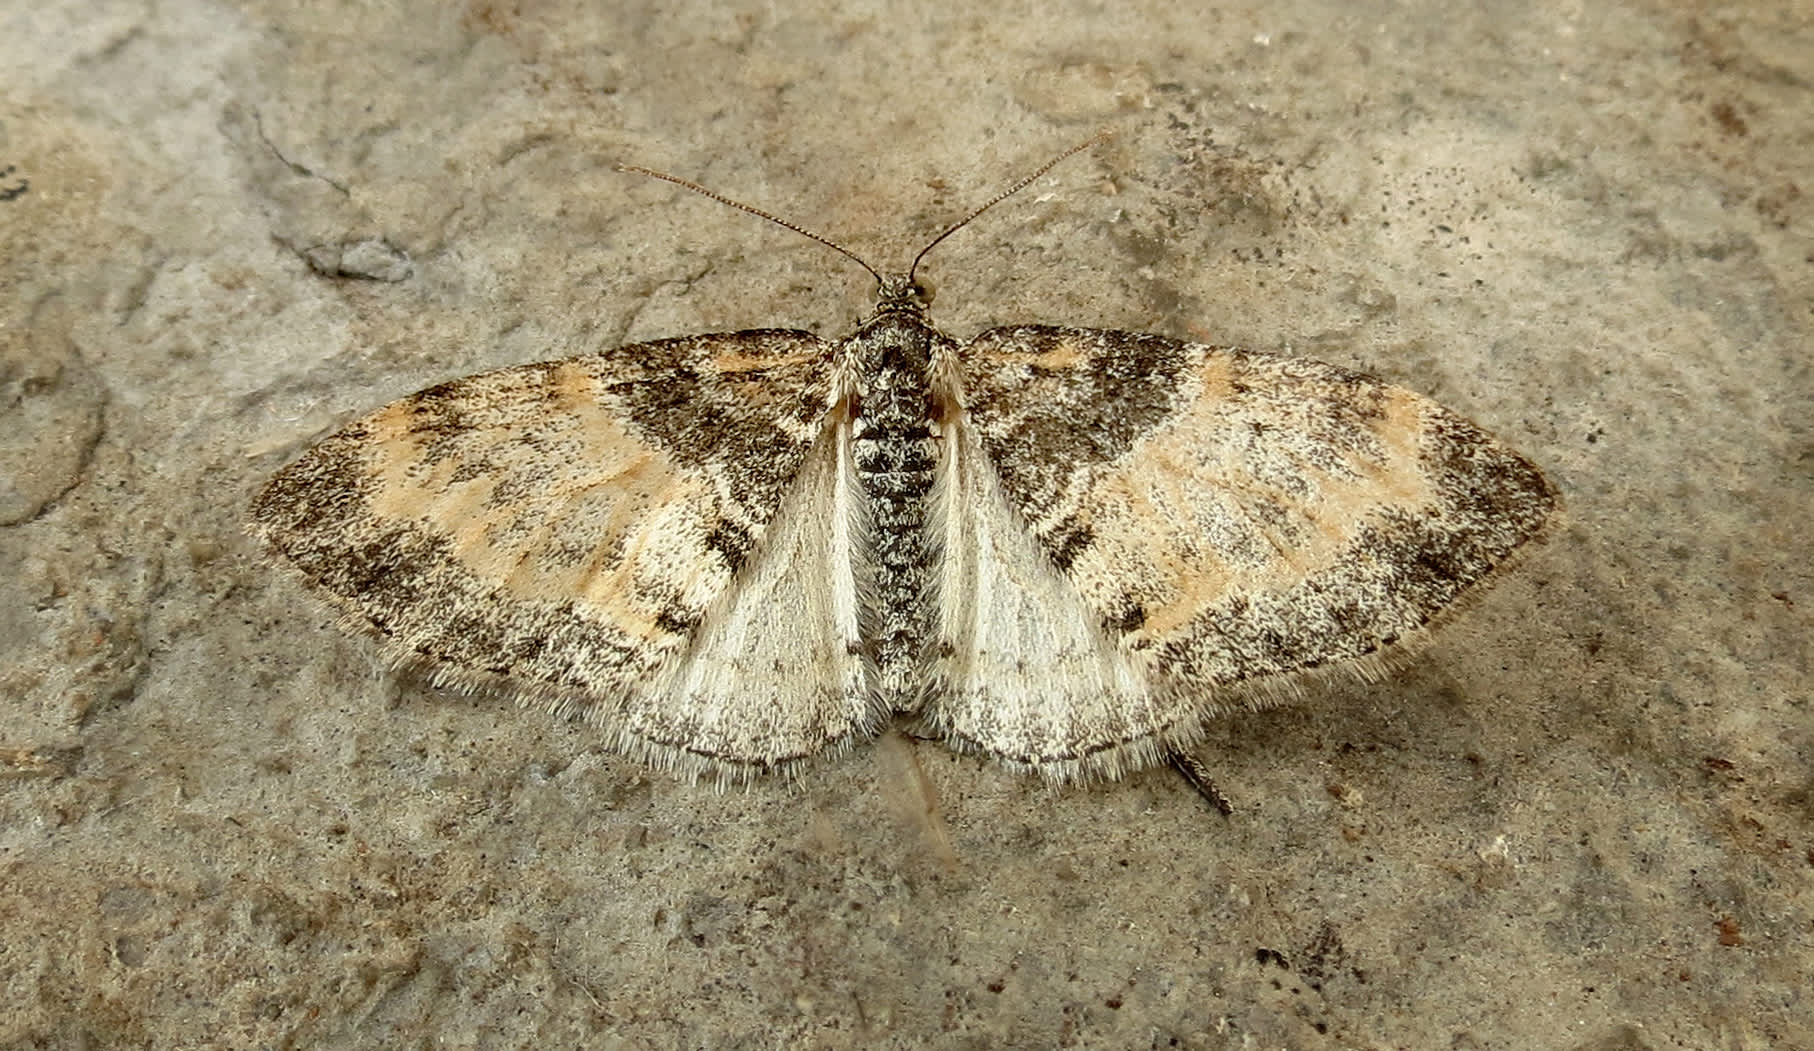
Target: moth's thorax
(890, 350)
(896, 458)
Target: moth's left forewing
(1232, 521)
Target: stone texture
(1582, 819)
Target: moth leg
(1197, 776)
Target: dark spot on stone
(1727, 117)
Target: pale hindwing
(1025, 667)
(1227, 521)
(775, 673)
(569, 529)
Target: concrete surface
(1583, 819)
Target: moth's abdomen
(896, 458)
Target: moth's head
(903, 294)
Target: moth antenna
(740, 206)
(1099, 137)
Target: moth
(1061, 548)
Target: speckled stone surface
(1583, 819)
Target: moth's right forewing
(566, 526)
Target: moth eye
(922, 290)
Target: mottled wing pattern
(1160, 529)
(576, 527)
